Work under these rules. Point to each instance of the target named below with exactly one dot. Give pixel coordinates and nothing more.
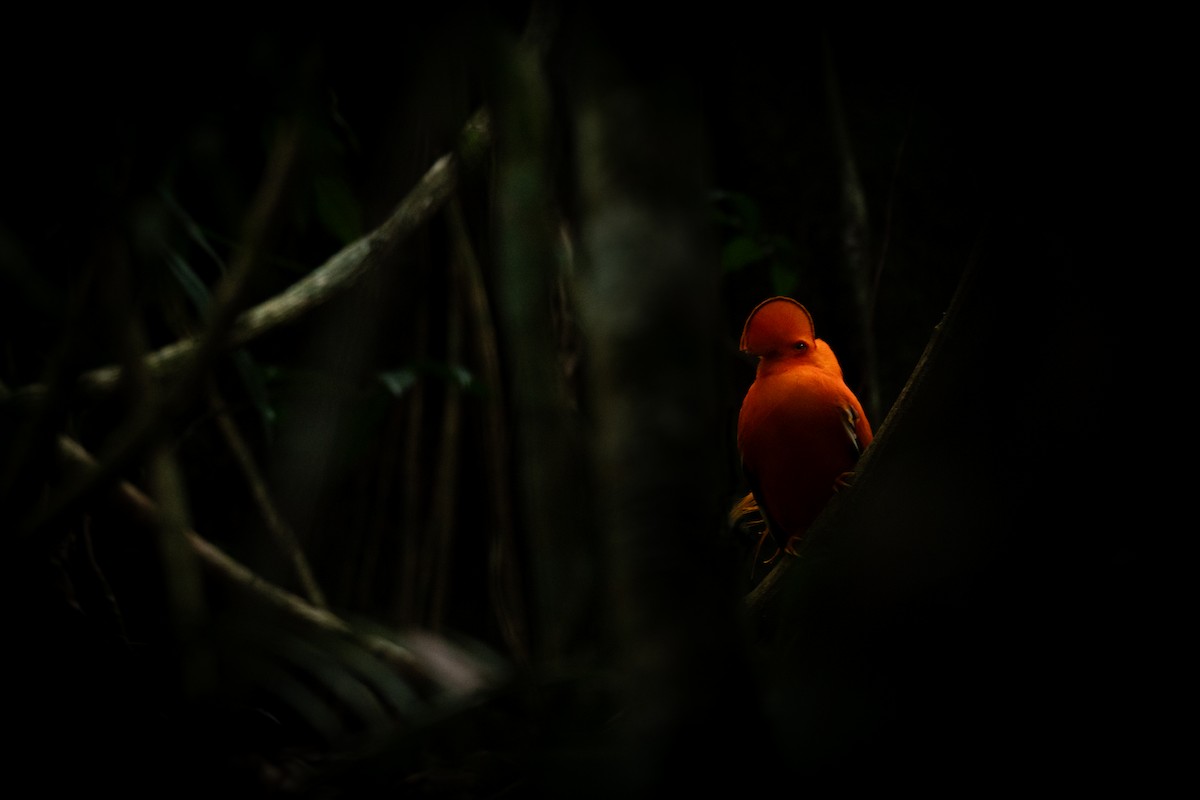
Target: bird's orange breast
(794, 444)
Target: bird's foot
(763, 537)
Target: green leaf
(461, 375)
(783, 278)
(740, 251)
(737, 210)
(195, 288)
(398, 381)
(746, 210)
(252, 375)
(337, 208)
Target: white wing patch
(849, 418)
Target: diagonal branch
(149, 417)
(279, 529)
(336, 275)
(186, 358)
(145, 510)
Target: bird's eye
(800, 346)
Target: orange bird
(800, 429)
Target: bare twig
(100, 581)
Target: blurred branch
(410, 573)
(855, 240)
(337, 274)
(75, 458)
(443, 499)
(551, 493)
(183, 596)
(649, 310)
(145, 423)
(278, 527)
(504, 581)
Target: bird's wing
(850, 422)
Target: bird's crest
(776, 321)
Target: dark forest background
(368, 394)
